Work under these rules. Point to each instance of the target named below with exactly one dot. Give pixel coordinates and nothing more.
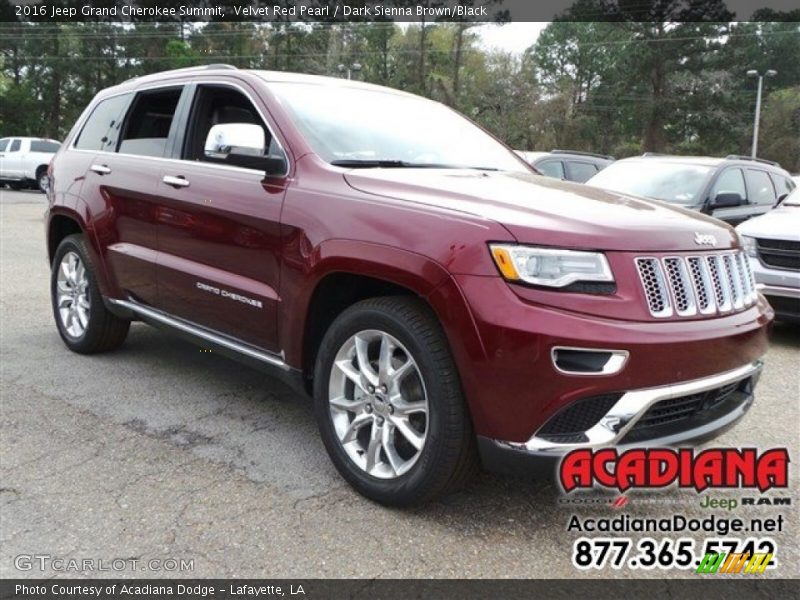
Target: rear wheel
(83, 321)
(389, 404)
(42, 180)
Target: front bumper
(539, 455)
(781, 287)
(514, 388)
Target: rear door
(219, 225)
(130, 136)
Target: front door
(219, 228)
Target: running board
(200, 333)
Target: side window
(581, 171)
(218, 105)
(15, 145)
(760, 186)
(44, 146)
(101, 130)
(4, 144)
(731, 181)
(783, 185)
(551, 168)
(147, 125)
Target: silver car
(772, 243)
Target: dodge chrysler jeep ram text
(439, 300)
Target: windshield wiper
(368, 163)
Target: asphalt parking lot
(161, 451)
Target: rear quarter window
(101, 130)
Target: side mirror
(242, 145)
(781, 198)
(726, 200)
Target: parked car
(438, 299)
(24, 160)
(569, 165)
(732, 189)
(772, 243)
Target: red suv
(378, 250)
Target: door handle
(177, 182)
(100, 169)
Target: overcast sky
(513, 37)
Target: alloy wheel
(378, 404)
(72, 295)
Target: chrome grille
(686, 286)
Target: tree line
(609, 85)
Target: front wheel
(389, 404)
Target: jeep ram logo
(704, 239)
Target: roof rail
(655, 154)
(581, 153)
(213, 66)
(761, 160)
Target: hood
(783, 223)
(540, 210)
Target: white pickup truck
(24, 160)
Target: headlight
(549, 266)
(749, 245)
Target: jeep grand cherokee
(439, 300)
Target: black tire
(15, 186)
(104, 331)
(42, 181)
(448, 457)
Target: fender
(80, 214)
(423, 276)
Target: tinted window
(4, 143)
(783, 185)
(731, 181)
(760, 186)
(44, 146)
(552, 168)
(581, 171)
(14, 147)
(102, 127)
(218, 105)
(148, 123)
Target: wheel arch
(61, 225)
(348, 272)
(62, 222)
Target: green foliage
(605, 82)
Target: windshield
(355, 127)
(671, 182)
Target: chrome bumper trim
(632, 406)
(614, 364)
(778, 290)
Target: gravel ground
(160, 451)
